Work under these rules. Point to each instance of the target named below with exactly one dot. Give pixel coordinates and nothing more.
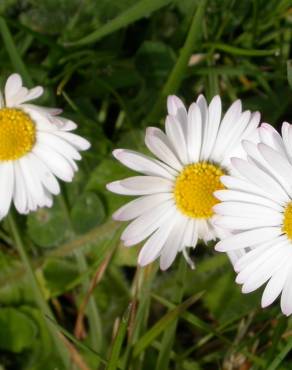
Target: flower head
(36, 147)
(257, 205)
(174, 208)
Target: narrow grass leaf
(239, 51)
(179, 70)
(289, 72)
(162, 324)
(118, 341)
(136, 12)
(14, 55)
(280, 357)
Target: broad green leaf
(87, 212)
(18, 331)
(47, 227)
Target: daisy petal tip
(117, 152)
(111, 186)
(219, 247)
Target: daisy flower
(174, 207)
(257, 205)
(36, 147)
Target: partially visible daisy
(36, 147)
(258, 207)
(174, 207)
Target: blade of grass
(136, 12)
(14, 56)
(198, 323)
(289, 72)
(280, 357)
(162, 324)
(118, 341)
(78, 343)
(239, 51)
(169, 334)
(179, 70)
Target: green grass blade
(180, 68)
(136, 12)
(289, 72)
(11, 48)
(78, 343)
(280, 357)
(239, 51)
(117, 344)
(169, 334)
(162, 324)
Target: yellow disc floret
(194, 187)
(287, 221)
(17, 134)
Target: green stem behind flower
(40, 300)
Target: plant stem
(40, 300)
(93, 316)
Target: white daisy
(258, 206)
(36, 146)
(174, 209)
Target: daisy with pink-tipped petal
(257, 206)
(36, 148)
(175, 191)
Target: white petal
(141, 185)
(244, 186)
(286, 134)
(79, 142)
(211, 127)
(158, 143)
(155, 243)
(268, 254)
(264, 272)
(258, 250)
(229, 121)
(202, 104)
(175, 107)
(247, 210)
(286, 297)
(261, 179)
(12, 86)
(195, 129)
(140, 205)
(58, 165)
(142, 163)
(19, 195)
(175, 134)
(173, 243)
(248, 238)
(275, 285)
(6, 187)
(246, 223)
(271, 137)
(240, 196)
(147, 223)
(59, 145)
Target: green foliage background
(110, 66)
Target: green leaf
(87, 212)
(136, 12)
(154, 60)
(47, 226)
(18, 331)
(58, 274)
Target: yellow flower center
(194, 187)
(17, 134)
(287, 222)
